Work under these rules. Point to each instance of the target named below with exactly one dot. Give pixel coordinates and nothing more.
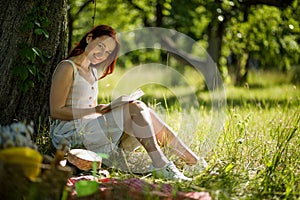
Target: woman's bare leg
(166, 136)
(137, 121)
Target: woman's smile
(99, 56)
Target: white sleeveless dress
(98, 133)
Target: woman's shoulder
(65, 63)
(64, 67)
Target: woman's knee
(139, 113)
(135, 107)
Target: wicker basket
(83, 159)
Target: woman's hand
(102, 108)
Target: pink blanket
(135, 189)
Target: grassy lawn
(257, 152)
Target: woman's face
(100, 48)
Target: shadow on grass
(263, 103)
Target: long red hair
(99, 31)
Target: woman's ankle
(158, 159)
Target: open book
(123, 99)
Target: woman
(79, 120)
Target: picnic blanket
(134, 189)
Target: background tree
(33, 42)
(244, 32)
(261, 37)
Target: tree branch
(83, 6)
(207, 66)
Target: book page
(124, 99)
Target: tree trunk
(215, 34)
(159, 13)
(241, 69)
(32, 105)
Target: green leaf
(46, 34)
(27, 85)
(103, 155)
(27, 26)
(38, 31)
(45, 22)
(38, 52)
(229, 167)
(21, 71)
(94, 167)
(24, 74)
(32, 69)
(41, 76)
(37, 23)
(28, 54)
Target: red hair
(99, 31)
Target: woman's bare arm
(61, 84)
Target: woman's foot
(169, 172)
(190, 158)
(196, 169)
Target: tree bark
(215, 33)
(159, 13)
(241, 69)
(33, 105)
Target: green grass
(256, 156)
(257, 153)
